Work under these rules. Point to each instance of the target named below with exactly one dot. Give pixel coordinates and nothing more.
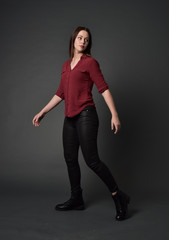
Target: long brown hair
(87, 51)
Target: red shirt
(76, 84)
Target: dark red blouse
(76, 84)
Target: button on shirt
(76, 84)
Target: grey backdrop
(130, 41)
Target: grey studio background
(130, 41)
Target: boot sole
(81, 207)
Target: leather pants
(82, 131)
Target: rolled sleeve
(60, 92)
(97, 76)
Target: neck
(77, 55)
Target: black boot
(74, 203)
(121, 201)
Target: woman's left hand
(115, 124)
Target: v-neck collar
(76, 63)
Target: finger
(36, 120)
(33, 120)
(112, 126)
(116, 130)
(37, 124)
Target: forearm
(53, 102)
(110, 102)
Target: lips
(81, 46)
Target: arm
(97, 77)
(115, 122)
(52, 103)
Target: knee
(70, 160)
(95, 164)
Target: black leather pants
(82, 130)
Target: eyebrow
(82, 36)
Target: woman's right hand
(53, 102)
(38, 117)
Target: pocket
(63, 71)
(89, 115)
(85, 113)
(84, 74)
(89, 108)
(82, 70)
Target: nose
(83, 41)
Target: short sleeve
(97, 76)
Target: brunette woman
(81, 122)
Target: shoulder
(91, 61)
(65, 64)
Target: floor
(32, 217)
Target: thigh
(87, 127)
(70, 139)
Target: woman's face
(81, 41)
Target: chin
(81, 51)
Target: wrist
(43, 112)
(114, 114)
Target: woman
(81, 121)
